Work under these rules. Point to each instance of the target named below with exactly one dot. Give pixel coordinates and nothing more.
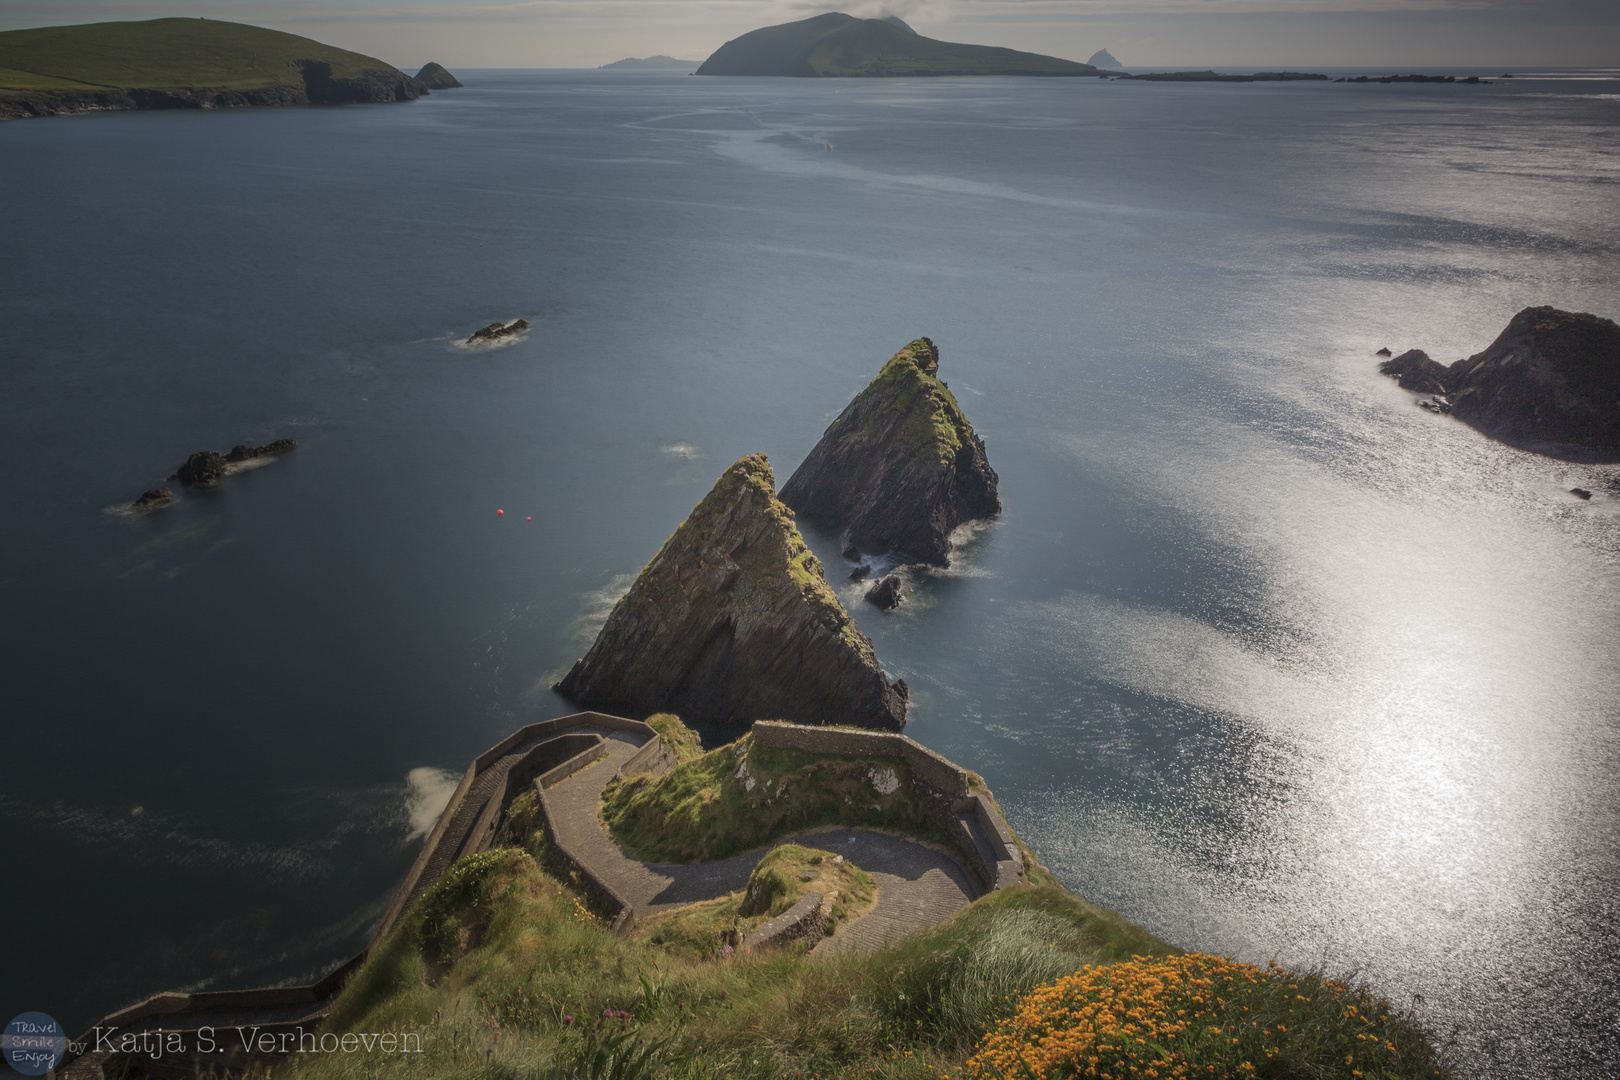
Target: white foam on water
(429, 792)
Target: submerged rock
(153, 499)
(901, 466)
(886, 594)
(1580, 493)
(1382, 352)
(733, 621)
(496, 331)
(1551, 377)
(1413, 370)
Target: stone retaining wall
(807, 918)
(952, 808)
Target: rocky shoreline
(1550, 383)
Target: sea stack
(435, 77)
(1551, 377)
(1550, 381)
(733, 621)
(900, 468)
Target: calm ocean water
(1260, 654)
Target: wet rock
(496, 331)
(901, 466)
(1436, 404)
(205, 468)
(1551, 377)
(886, 594)
(733, 621)
(1382, 352)
(1415, 371)
(269, 449)
(153, 499)
(860, 572)
(1580, 493)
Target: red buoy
(500, 511)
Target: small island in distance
(652, 63)
(838, 45)
(189, 64)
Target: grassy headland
(507, 973)
(176, 62)
(842, 45)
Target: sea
(1259, 654)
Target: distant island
(838, 45)
(188, 63)
(651, 63)
(1210, 76)
(1104, 59)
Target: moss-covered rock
(733, 621)
(901, 466)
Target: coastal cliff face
(733, 621)
(901, 466)
(1552, 376)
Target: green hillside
(841, 45)
(166, 53)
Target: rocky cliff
(1551, 376)
(1551, 379)
(733, 621)
(901, 467)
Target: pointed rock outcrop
(435, 77)
(733, 621)
(1552, 376)
(901, 467)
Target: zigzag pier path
(569, 762)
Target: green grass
(742, 796)
(681, 740)
(505, 973)
(165, 54)
(780, 880)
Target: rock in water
(1415, 371)
(733, 621)
(205, 468)
(159, 497)
(1552, 376)
(900, 467)
(269, 449)
(496, 331)
(435, 77)
(886, 593)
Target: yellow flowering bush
(1200, 1016)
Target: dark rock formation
(733, 621)
(886, 594)
(1580, 493)
(435, 77)
(1551, 377)
(496, 331)
(1382, 352)
(248, 453)
(860, 572)
(157, 498)
(203, 469)
(900, 467)
(1415, 371)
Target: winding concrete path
(918, 886)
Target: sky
(1398, 35)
